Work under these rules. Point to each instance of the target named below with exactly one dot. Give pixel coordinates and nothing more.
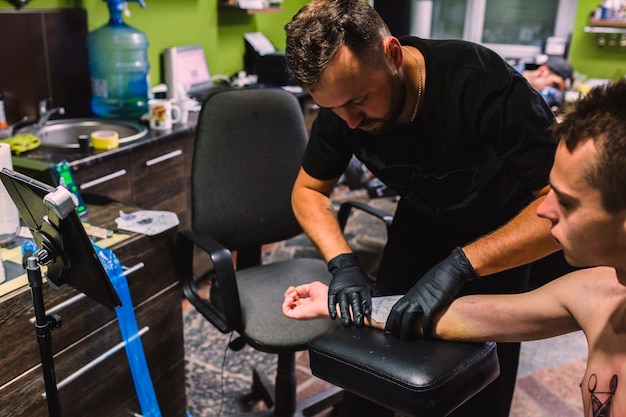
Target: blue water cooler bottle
(118, 65)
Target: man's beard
(397, 97)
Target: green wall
(586, 57)
(182, 22)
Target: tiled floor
(549, 377)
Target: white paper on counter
(147, 222)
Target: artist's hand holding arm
(350, 287)
(434, 291)
(524, 239)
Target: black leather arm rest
(346, 208)
(421, 378)
(229, 317)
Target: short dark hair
(322, 26)
(600, 116)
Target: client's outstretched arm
(532, 315)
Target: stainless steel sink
(63, 133)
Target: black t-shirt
(477, 149)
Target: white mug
(163, 114)
(186, 105)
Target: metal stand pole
(44, 326)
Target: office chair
(248, 149)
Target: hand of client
(306, 301)
(309, 301)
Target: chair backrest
(248, 150)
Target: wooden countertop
(99, 215)
(74, 156)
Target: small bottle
(83, 143)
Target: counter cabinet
(154, 176)
(90, 332)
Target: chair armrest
(346, 208)
(229, 318)
(425, 378)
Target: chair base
(281, 401)
(308, 407)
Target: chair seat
(265, 326)
(421, 378)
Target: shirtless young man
(587, 209)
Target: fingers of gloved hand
(366, 303)
(410, 328)
(394, 321)
(344, 309)
(427, 323)
(332, 306)
(356, 302)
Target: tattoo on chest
(601, 402)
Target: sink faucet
(44, 113)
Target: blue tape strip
(130, 334)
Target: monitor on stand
(50, 214)
(65, 249)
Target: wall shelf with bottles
(609, 33)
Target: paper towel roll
(9, 216)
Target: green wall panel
(585, 55)
(182, 22)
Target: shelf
(605, 26)
(235, 7)
(607, 23)
(603, 29)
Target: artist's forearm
(524, 239)
(316, 215)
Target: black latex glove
(434, 291)
(349, 287)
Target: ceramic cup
(163, 114)
(186, 105)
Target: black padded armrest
(421, 378)
(229, 319)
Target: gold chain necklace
(419, 84)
